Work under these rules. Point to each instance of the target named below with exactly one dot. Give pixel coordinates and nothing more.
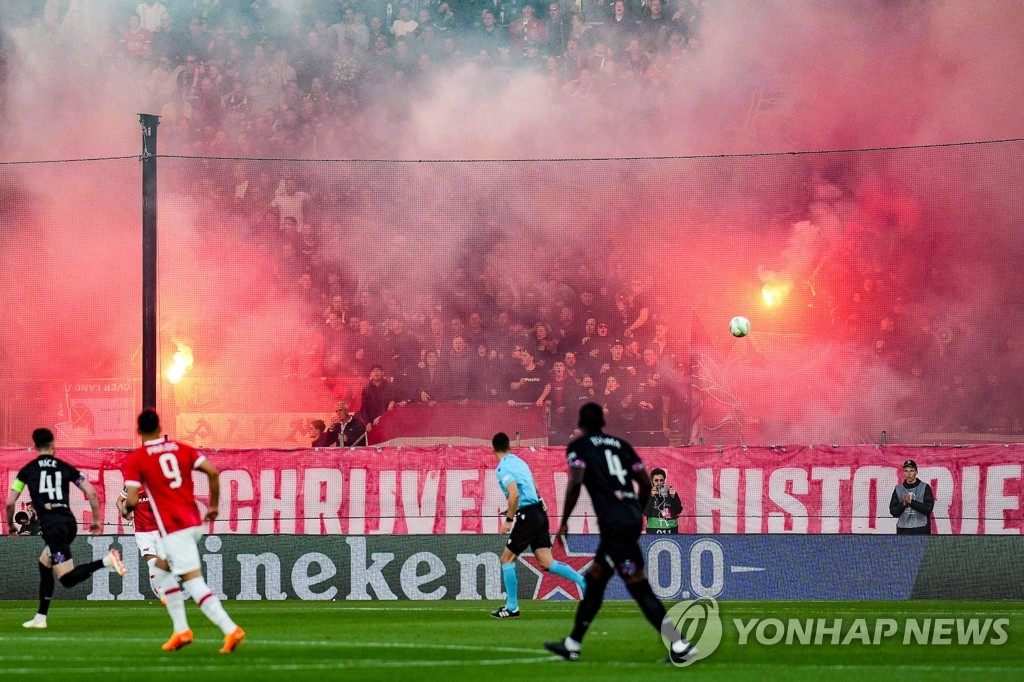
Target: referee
(912, 503)
(527, 518)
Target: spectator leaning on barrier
(912, 503)
(348, 429)
(664, 507)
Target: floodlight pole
(149, 123)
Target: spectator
(378, 397)
(322, 437)
(152, 15)
(527, 387)
(527, 31)
(136, 40)
(460, 365)
(404, 25)
(912, 503)
(653, 394)
(663, 507)
(349, 431)
(289, 201)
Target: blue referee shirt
(511, 469)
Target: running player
(147, 535)
(527, 518)
(163, 469)
(48, 480)
(608, 467)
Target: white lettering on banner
(674, 563)
(872, 488)
(494, 507)
(583, 519)
(363, 576)
(357, 502)
(214, 563)
(706, 502)
(970, 484)
(277, 502)
(469, 573)
(997, 502)
(249, 580)
(235, 487)
(130, 557)
(780, 480)
(413, 580)
(420, 510)
(303, 582)
(100, 579)
(321, 501)
(455, 501)
(848, 490)
(941, 481)
(831, 505)
(753, 517)
(387, 485)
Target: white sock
(157, 590)
(165, 581)
(210, 605)
(106, 559)
(571, 644)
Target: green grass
(458, 641)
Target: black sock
(652, 607)
(46, 585)
(593, 597)
(80, 573)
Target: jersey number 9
(169, 465)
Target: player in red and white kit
(162, 471)
(147, 534)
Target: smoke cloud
(892, 270)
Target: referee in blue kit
(527, 518)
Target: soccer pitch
(459, 641)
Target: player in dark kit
(609, 467)
(48, 480)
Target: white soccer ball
(739, 326)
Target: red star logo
(550, 584)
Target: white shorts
(147, 542)
(181, 549)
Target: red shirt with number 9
(162, 468)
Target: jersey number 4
(50, 485)
(615, 466)
(169, 465)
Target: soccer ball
(739, 326)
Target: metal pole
(149, 123)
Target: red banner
(460, 424)
(424, 490)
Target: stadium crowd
(266, 77)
